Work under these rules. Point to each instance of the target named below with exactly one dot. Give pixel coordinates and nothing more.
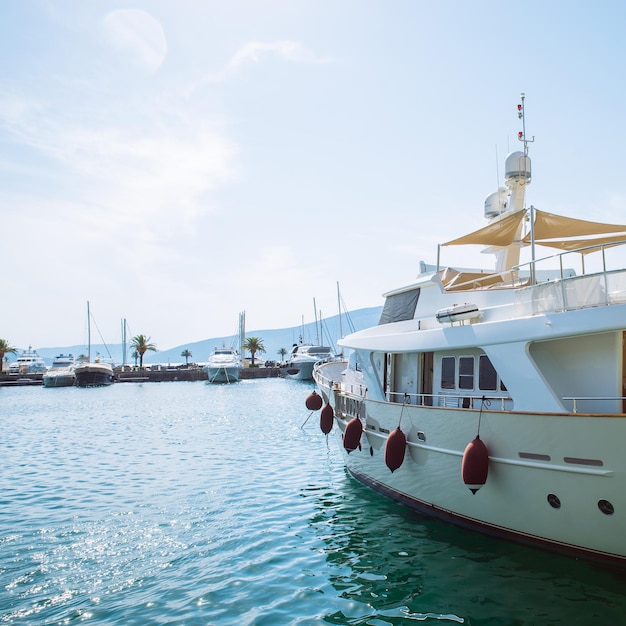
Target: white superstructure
(29, 362)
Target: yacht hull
(297, 371)
(93, 375)
(555, 481)
(223, 374)
(59, 380)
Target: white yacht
(61, 373)
(301, 359)
(224, 366)
(495, 398)
(29, 362)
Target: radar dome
(496, 203)
(517, 165)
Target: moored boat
(61, 374)
(93, 374)
(96, 373)
(29, 362)
(301, 359)
(506, 416)
(223, 366)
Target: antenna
(522, 134)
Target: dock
(152, 374)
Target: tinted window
(448, 372)
(466, 372)
(487, 377)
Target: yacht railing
(451, 401)
(558, 288)
(597, 399)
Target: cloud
(139, 35)
(256, 51)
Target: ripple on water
(186, 503)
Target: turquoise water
(189, 503)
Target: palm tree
(141, 344)
(282, 353)
(253, 345)
(5, 348)
(186, 355)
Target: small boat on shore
(61, 374)
(506, 416)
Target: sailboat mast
(88, 334)
(242, 332)
(124, 341)
(339, 309)
(340, 316)
(317, 333)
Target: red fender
(475, 464)
(352, 434)
(327, 417)
(395, 449)
(314, 401)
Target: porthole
(606, 507)
(554, 501)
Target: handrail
(576, 399)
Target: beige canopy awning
(567, 233)
(554, 231)
(500, 233)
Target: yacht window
(399, 307)
(466, 372)
(487, 377)
(448, 372)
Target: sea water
(191, 503)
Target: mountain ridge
(325, 332)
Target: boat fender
(327, 417)
(352, 435)
(314, 401)
(395, 449)
(475, 464)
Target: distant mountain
(328, 331)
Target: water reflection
(394, 567)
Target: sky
(176, 163)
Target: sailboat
(96, 373)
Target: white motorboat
(61, 374)
(507, 415)
(29, 362)
(223, 366)
(301, 359)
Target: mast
(340, 317)
(521, 135)
(88, 334)
(124, 341)
(317, 332)
(242, 332)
